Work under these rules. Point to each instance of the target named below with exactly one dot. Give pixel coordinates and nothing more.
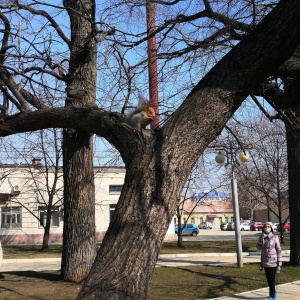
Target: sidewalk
(175, 260)
(288, 291)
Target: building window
(226, 219)
(112, 208)
(115, 189)
(192, 220)
(220, 220)
(232, 219)
(54, 216)
(11, 217)
(201, 220)
(4, 198)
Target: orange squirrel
(142, 115)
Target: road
(217, 234)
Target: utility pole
(152, 61)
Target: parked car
(188, 229)
(230, 226)
(255, 226)
(245, 226)
(223, 226)
(206, 225)
(286, 227)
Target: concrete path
(30, 264)
(168, 260)
(287, 291)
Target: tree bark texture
(79, 240)
(79, 245)
(293, 148)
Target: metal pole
(237, 226)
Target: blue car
(188, 229)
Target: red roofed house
(214, 211)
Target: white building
(24, 195)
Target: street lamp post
(231, 159)
(237, 227)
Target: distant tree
(263, 179)
(43, 183)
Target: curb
(30, 260)
(285, 252)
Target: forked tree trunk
(158, 163)
(126, 260)
(155, 177)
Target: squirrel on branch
(142, 115)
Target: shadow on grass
(55, 276)
(217, 281)
(33, 285)
(226, 282)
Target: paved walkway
(288, 291)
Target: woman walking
(271, 257)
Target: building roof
(208, 207)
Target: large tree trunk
(158, 163)
(79, 245)
(293, 148)
(79, 240)
(154, 180)
(125, 262)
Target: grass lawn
(212, 247)
(204, 282)
(190, 282)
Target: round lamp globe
(220, 158)
(243, 157)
